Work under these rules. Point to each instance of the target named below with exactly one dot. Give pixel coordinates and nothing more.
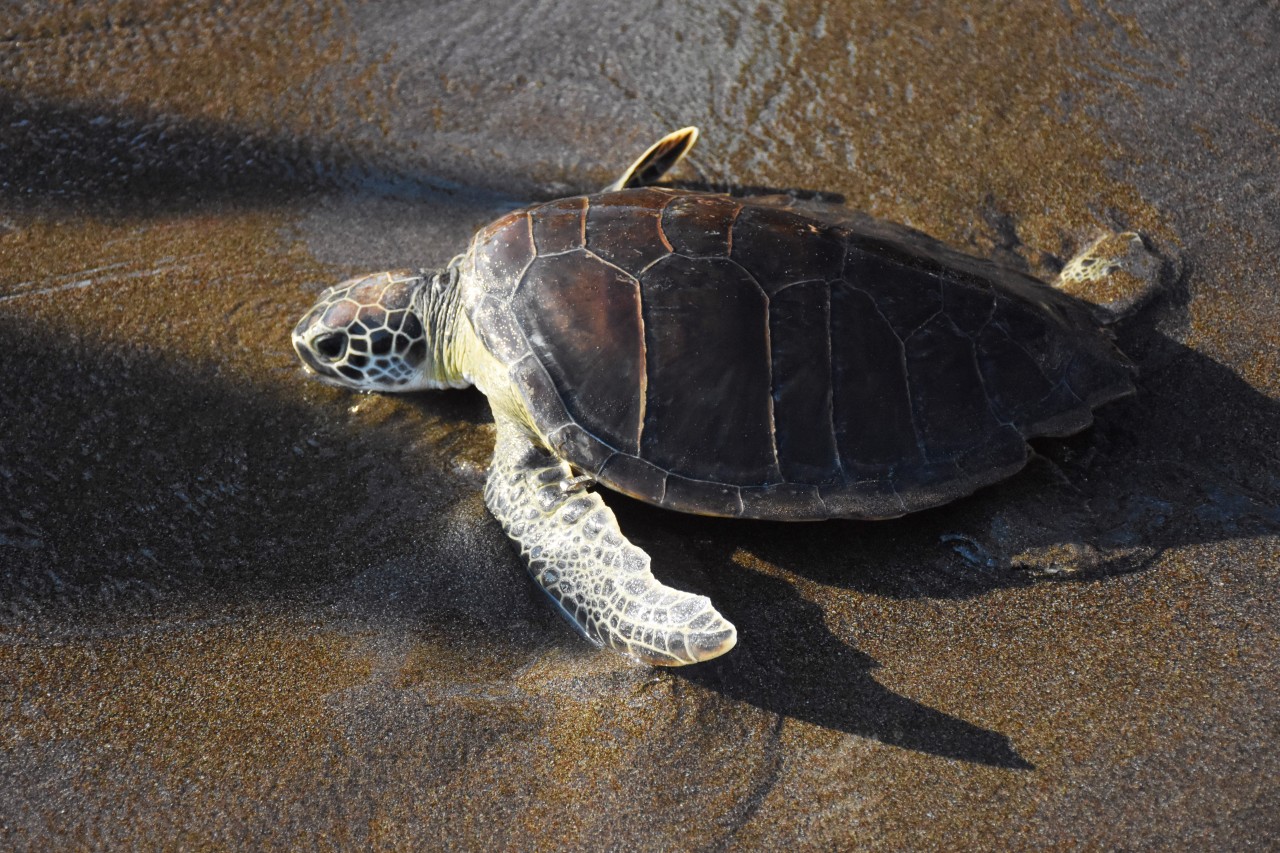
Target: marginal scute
(1099, 380)
(783, 501)
(558, 225)
(643, 198)
(538, 390)
(779, 247)
(500, 253)
(624, 228)
(873, 498)
(700, 496)
(580, 448)
(496, 327)
(1002, 447)
(635, 477)
(699, 225)
(943, 481)
(1061, 419)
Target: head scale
(371, 333)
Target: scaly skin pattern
(573, 548)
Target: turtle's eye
(331, 346)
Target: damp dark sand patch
(985, 129)
(981, 128)
(110, 739)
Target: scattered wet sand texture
(239, 608)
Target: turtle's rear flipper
(661, 158)
(1116, 273)
(573, 548)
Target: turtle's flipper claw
(577, 484)
(601, 582)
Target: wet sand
(242, 609)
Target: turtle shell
(718, 356)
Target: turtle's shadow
(788, 662)
(69, 155)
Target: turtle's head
(372, 333)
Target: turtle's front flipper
(573, 548)
(661, 158)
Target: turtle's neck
(438, 303)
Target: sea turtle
(747, 357)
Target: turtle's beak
(319, 348)
(314, 364)
(309, 359)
